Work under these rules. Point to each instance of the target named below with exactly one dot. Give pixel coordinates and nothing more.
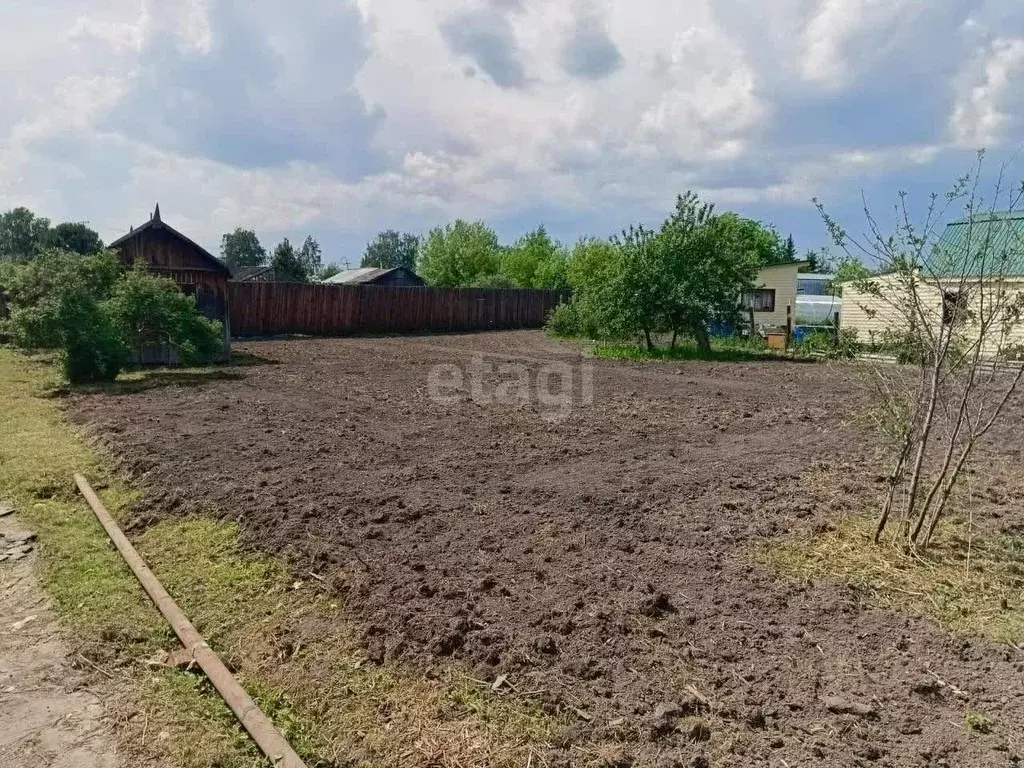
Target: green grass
(730, 350)
(972, 586)
(978, 722)
(287, 640)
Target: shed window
(761, 300)
(954, 307)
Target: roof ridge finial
(156, 213)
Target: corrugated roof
(248, 273)
(990, 243)
(362, 275)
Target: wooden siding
(782, 279)
(268, 309)
(159, 248)
(871, 316)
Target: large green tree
(242, 248)
(287, 265)
(682, 279)
(593, 273)
(391, 249)
(712, 261)
(762, 241)
(76, 237)
(536, 261)
(22, 234)
(643, 285)
(310, 255)
(459, 254)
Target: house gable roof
(156, 223)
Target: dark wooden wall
(159, 248)
(268, 309)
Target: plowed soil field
(593, 550)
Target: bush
(96, 315)
(91, 348)
(493, 280)
(832, 346)
(47, 292)
(564, 320)
(147, 310)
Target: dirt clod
(656, 606)
(843, 706)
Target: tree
(459, 253)
(683, 278)
(242, 248)
(22, 234)
(640, 294)
(42, 291)
(327, 270)
(762, 241)
(952, 297)
(536, 261)
(287, 264)
(310, 255)
(819, 261)
(713, 261)
(75, 236)
(593, 274)
(789, 250)
(392, 249)
(492, 281)
(848, 269)
(147, 309)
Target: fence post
(789, 325)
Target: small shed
(397, 276)
(167, 252)
(773, 299)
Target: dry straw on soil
(970, 584)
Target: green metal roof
(989, 243)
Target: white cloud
(990, 99)
(352, 115)
(844, 37)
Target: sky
(341, 118)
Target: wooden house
(167, 252)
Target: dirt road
(47, 720)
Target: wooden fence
(267, 309)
